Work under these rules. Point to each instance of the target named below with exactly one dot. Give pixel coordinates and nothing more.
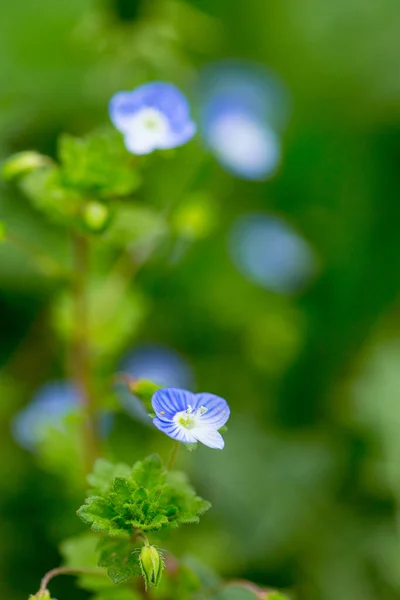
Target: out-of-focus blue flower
(48, 408)
(190, 418)
(243, 109)
(155, 363)
(270, 253)
(154, 116)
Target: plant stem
(173, 454)
(65, 571)
(81, 360)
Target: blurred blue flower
(155, 363)
(270, 253)
(191, 418)
(154, 116)
(243, 107)
(48, 408)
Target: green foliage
(46, 192)
(234, 592)
(178, 582)
(135, 225)
(98, 164)
(23, 163)
(119, 558)
(149, 498)
(116, 312)
(3, 231)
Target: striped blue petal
(175, 431)
(169, 401)
(218, 410)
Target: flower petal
(217, 409)
(175, 431)
(209, 437)
(169, 401)
(177, 139)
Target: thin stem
(81, 360)
(173, 454)
(65, 571)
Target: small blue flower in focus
(243, 107)
(154, 116)
(270, 253)
(52, 403)
(190, 418)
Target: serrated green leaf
(98, 164)
(149, 499)
(119, 558)
(149, 472)
(122, 491)
(97, 513)
(101, 480)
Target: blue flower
(154, 116)
(268, 251)
(190, 418)
(52, 403)
(243, 107)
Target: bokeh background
(280, 295)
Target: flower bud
(96, 216)
(152, 564)
(41, 595)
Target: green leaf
(23, 163)
(120, 559)
(149, 472)
(149, 498)
(119, 593)
(101, 480)
(45, 190)
(234, 592)
(98, 164)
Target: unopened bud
(96, 216)
(151, 563)
(23, 163)
(41, 595)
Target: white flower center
(189, 419)
(147, 129)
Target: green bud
(96, 216)
(41, 595)
(144, 390)
(23, 163)
(195, 218)
(151, 563)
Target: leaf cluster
(146, 498)
(91, 172)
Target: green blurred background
(306, 495)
